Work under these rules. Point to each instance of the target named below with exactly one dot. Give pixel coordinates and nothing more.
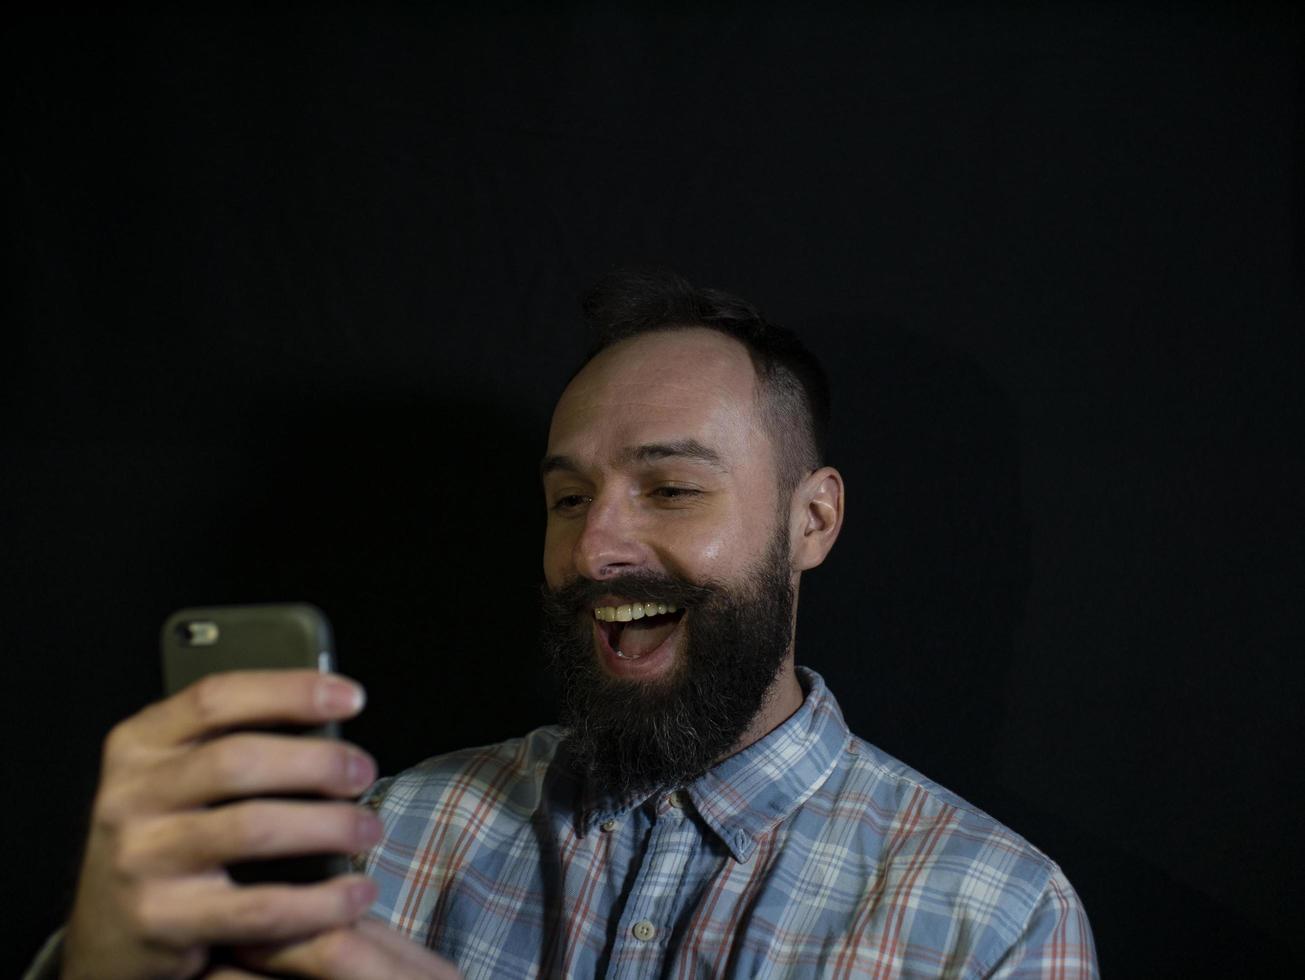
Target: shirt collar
(747, 794)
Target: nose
(609, 543)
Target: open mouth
(635, 630)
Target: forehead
(674, 384)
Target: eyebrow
(651, 452)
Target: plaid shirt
(810, 853)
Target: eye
(570, 502)
(675, 493)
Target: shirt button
(676, 800)
(644, 930)
(610, 825)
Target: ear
(816, 517)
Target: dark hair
(795, 387)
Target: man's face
(661, 486)
(658, 463)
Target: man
(704, 811)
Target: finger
(200, 840)
(246, 698)
(211, 910)
(351, 954)
(404, 950)
(250, 764)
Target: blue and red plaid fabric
(809, 854)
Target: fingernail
(360, 771)
(370, 828)
(362, 894)
(336, 695)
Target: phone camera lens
(198, 634)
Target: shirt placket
(650, 913)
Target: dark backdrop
(292, 296)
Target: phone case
(266, 637)
(204, 640)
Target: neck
(785, 695)
(782, 701)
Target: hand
(366, 951)
(153, 895)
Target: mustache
(581, 594)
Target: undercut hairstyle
(792, 385)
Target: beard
(631, 737)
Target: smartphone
(200, 641)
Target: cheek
(557, 555)
(709, 551)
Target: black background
(292, 297)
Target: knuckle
(111, 809)
(259, 910)
(127, 854)
(276, 913)
(230, 760)
(337, 828)
(134, 910)
(339, 951)
(119, 742)
(207, 699)
(146, 912)
(250, 829)
(324, 765)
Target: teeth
(637, 610)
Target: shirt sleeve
(1056, 942)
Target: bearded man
(703, 809)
